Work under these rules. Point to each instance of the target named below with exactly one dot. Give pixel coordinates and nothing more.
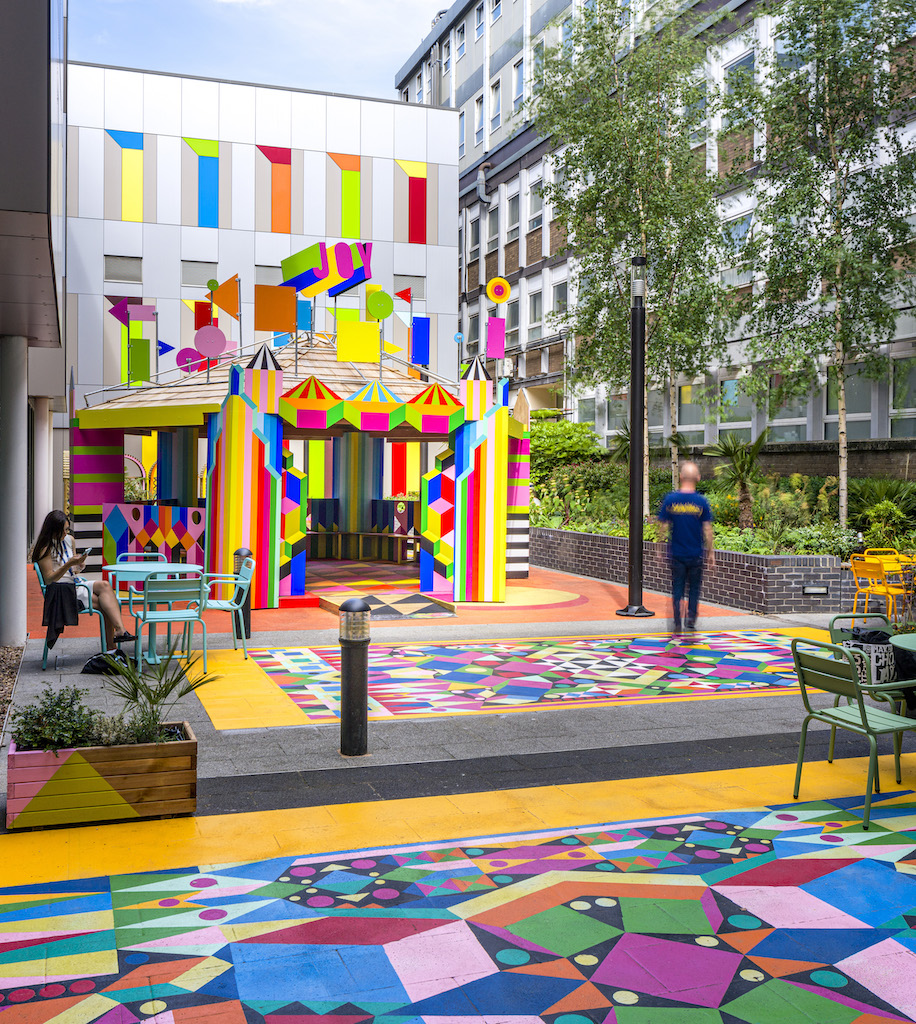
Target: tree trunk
(672, 413)
(745, 507)
(843, 453)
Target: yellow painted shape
(220, 840)
(412, 168)
(132, 184)
(357, 342)
(807, 632)
(201, 974)
(146, 416)
(149, 451)
(73, 965)
(95, 920)
(244, 696)
(94, 1005)
(413, 466)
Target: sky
(342, 46)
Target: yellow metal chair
(870, 576)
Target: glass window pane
(534, 308)
(788, 432)
(655, 402)
(559, 297)
(856, 430)
(734, 405)
(905, 427)
(618, 411)
(693, 436)
(858, 392)
(742, 433)
(586, 411)
(512, 314)
(793, 408)
(689, 410)
(474, 328)
(904, 385)
(513, 209)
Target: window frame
(535, 326)
(535, 213)
(518, 84)
(478, 120)
(495, 104)
(474, 246)
(554, 290)
(446, 56)
(496, 11)
(461, 34)
(462, 129)
(512, 323)
(480, 20)
(492, 229)
(513, 225)
(418, 86)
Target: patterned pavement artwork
(394, 604)
(783, 915)
(329, 576)
(524, 675)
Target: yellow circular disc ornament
(498, 289)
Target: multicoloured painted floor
(790, 913)
(522, 675)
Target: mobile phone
(88, 552)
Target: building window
(585, 411)
(690, 414)
(560, 294)
(535, 206)
(496, 9)
(512, 324)
(655, 413)
(419, 87)
(518, 80)
(478, 121)
(478, 21)
(196, 275)
(126, 268)
(618, 412)
(461, 133)
(512, 231)
(567, 34)
(414, 282)
(405, 95)
(736, 410)
(736, 232)
(493, 229)
(790, 421)
(735, 74)
(473, 335)
(446, 56)
(858, 405)
(474, 254)
(494, 105)
(539, 62)
(460, 38)
(903, 398)
(267, 275)
(787, 59)
(535, 316)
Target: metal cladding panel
(161, 105)
(123, 100)
(343, 124)
(309, 115)
(376, 129)
(273, 115)
(199, 109)
(236, 113)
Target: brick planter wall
(769, 584)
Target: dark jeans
(686, 574)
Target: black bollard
(240, 555)
(354, 677)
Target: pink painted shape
(210, 341)
(166, 1017)
(119, 1015)
(887, 969)
(496, 337)
(145, 313)
(92, 462)
(785, 906)
(373, 421)
(198, 940)
(435, 961)
(434, 424)
(121, 312)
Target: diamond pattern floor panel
(781, 914)
(524, 675)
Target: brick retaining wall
(769, 584)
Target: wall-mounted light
(816, 591)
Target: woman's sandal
(123, 638)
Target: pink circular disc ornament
(210, 341)
(498, 289)
(189, 360)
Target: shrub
(886, 522)
(556, 444)
(57, 720)
(865, 493)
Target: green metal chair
(82, 611)
(170, 598)
(871, 620)
(240, 584)
(832, 669)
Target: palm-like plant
(739, 471)
(619, 446)
(150, 696)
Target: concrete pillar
(14, 442)
(42, 440)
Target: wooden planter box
(89, 784)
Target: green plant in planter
(57, 720)
(150, 695)
(886, 522)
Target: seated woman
(53, 551)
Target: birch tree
(835, 187)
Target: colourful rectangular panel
(203, 315)
(357, 342)
(496, 337)
(208, 191)
(350, 204)
(419, 341)
(274, 308)
(416, 211)
(303, 315)
(280, 192)
(132, 184)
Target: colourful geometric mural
(207, 172)
(344, 180)
(423, 679)
(416, 174)
(774, 915)
(130, 145)
(279, 162)
(177, 533)
(294, 527)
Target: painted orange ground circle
(534, 597)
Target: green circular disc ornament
(379, 305)
(212, 284)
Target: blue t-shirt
(686, 512)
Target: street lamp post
(635, 608)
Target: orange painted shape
(223, 1013)
(345, 161)
(274, 308)
(154, 974)
(780, 968)
(744, 941)
(585, 997)
(551, 969)
(226, 297)
(280, 208)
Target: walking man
(685, 519)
